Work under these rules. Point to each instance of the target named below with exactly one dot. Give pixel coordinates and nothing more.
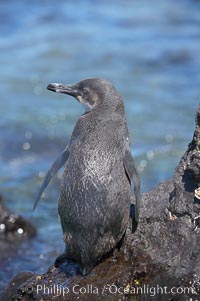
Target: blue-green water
(150, 50)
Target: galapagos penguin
(95, 193)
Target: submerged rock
(161, 260)
(13, 227)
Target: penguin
(95, 193)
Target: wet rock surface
(160, 261)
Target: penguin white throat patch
(87, 107)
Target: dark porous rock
(160, 261)
(187, 179)
(14, 284)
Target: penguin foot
(69, 267)
(60, 259)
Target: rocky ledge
(160, 261)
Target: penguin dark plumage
(95, 194)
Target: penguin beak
(66, 89)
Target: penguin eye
(86, 91)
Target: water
(152, 55)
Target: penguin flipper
(133, 176)
(59, 162)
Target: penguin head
(92, 92)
